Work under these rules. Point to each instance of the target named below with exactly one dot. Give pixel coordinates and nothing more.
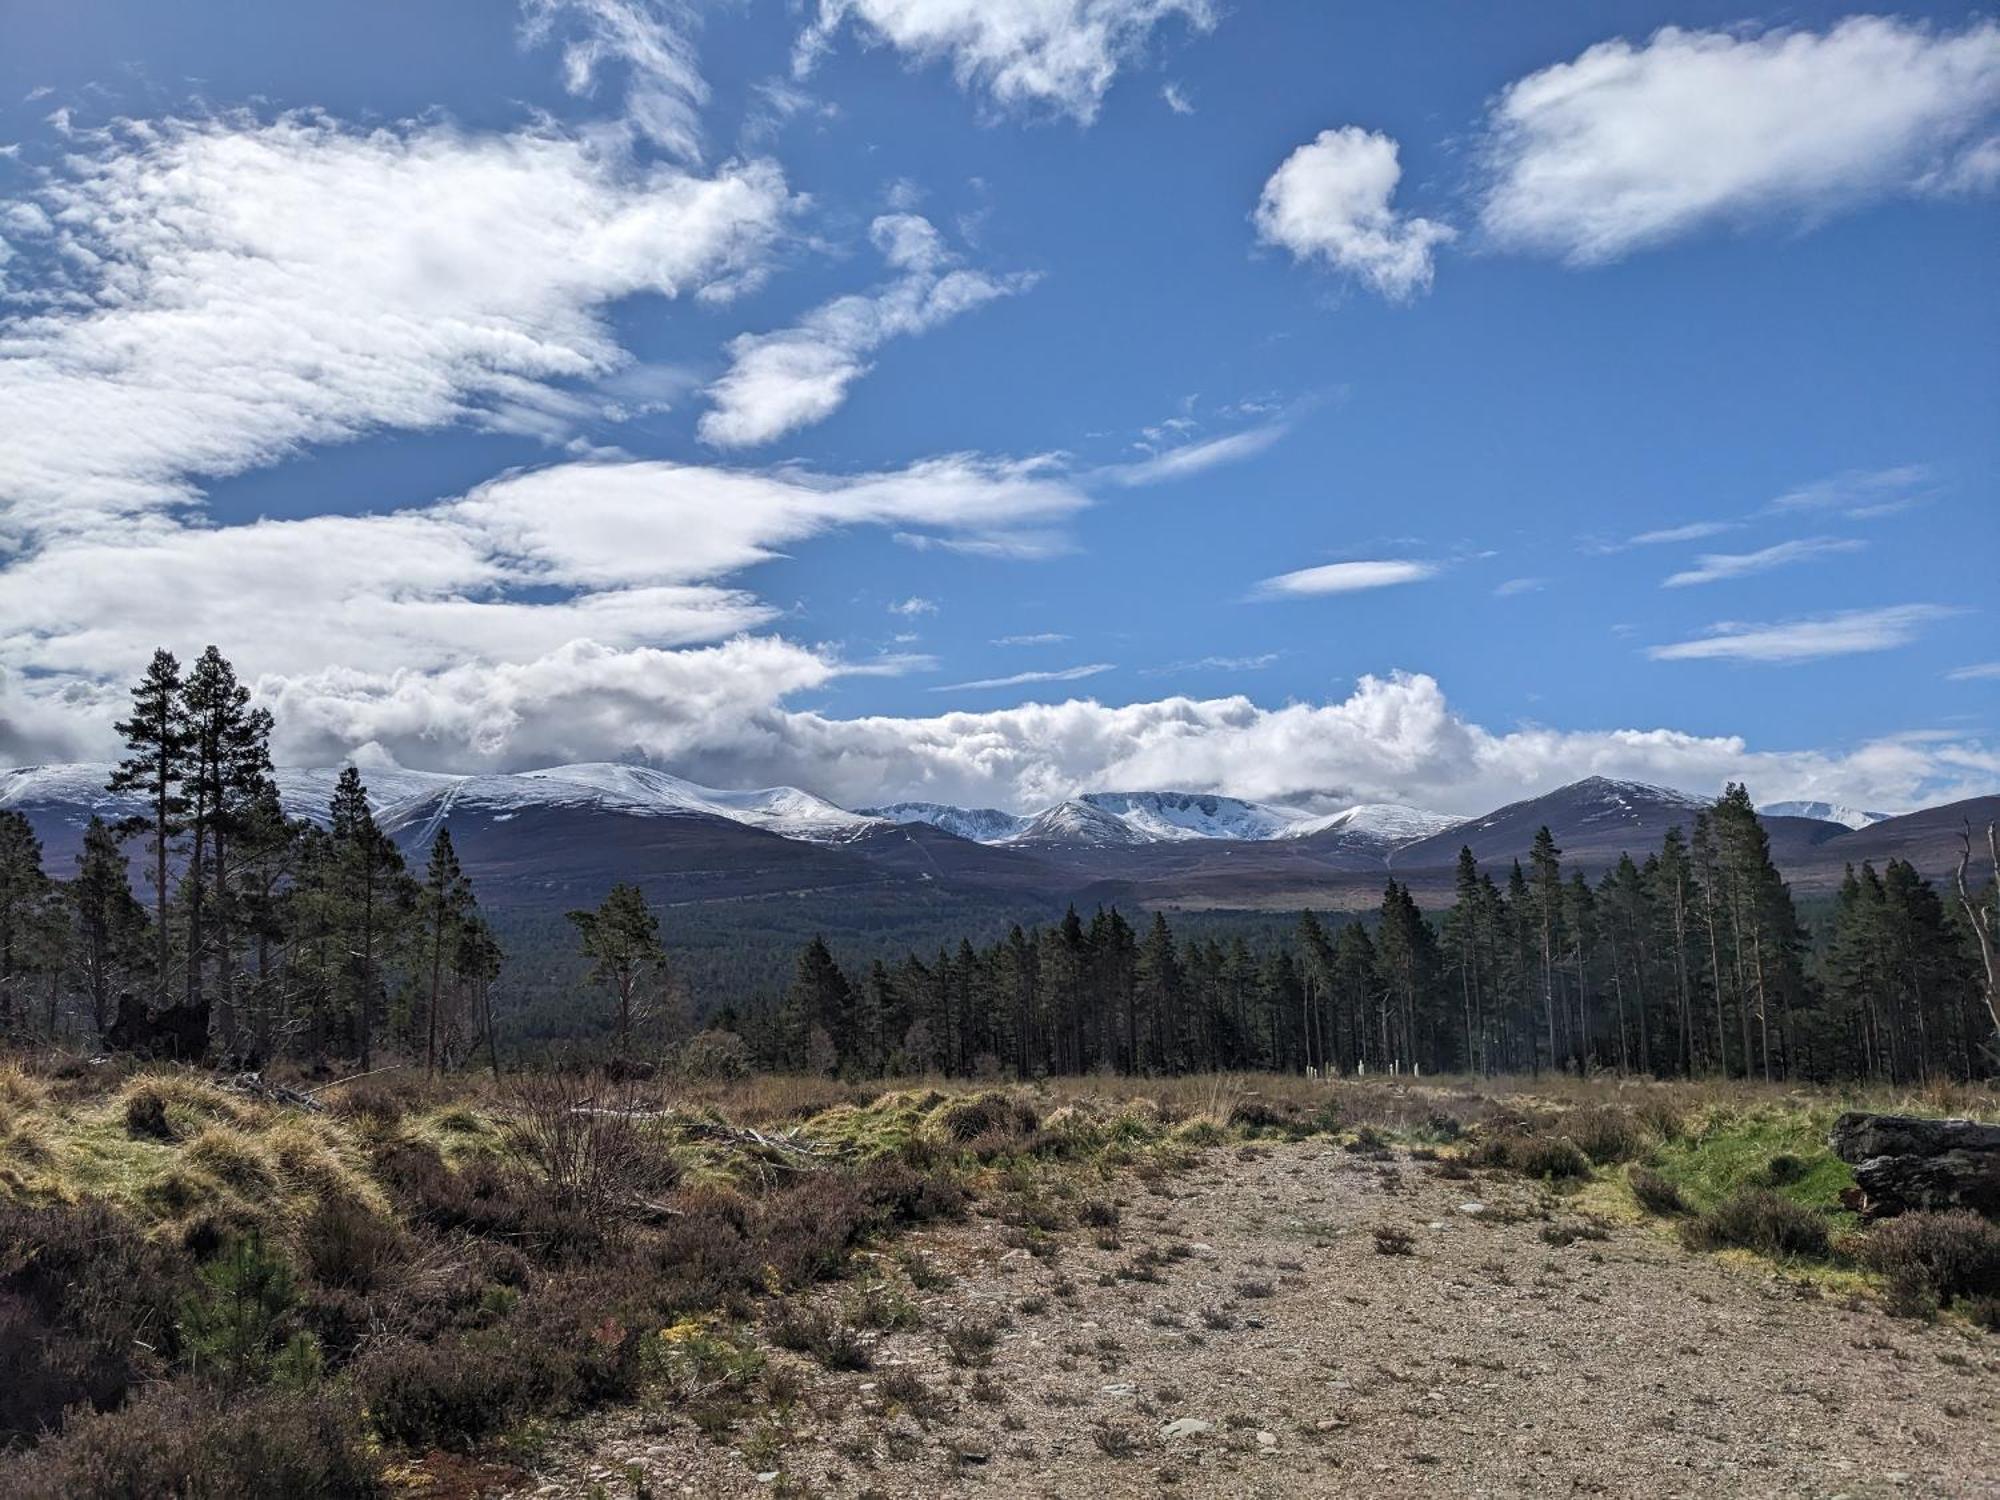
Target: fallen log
(1904, 1162)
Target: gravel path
(1281, 1353)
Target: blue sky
(859, 397)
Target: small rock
(1120, 1388)
(768, 1476)
(1185, 1427)
(1474, 1208)
(1267, 1440)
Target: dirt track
(1486, 1362)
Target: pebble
(1120, 1388)
(1184, 1427)
(1475, 1208)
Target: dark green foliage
(234, 1323)
(1760, 1220)
(1533, 1154)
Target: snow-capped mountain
(1825, 812)
(982, 825)
(1387, 823)
(401, 799)
(1156, 816)
(1098, 820)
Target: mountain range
(566, 833)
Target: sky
(990, 400)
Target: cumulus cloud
(779, 382)
(628, 559)
(664, 89)
(1629, 145)
(1039, 56)
(1345, 578)
(1330, 200)
(1846, 633)
(1717, 567)
(218, 293)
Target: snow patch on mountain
(982, 825)
(1825, 812)
(1387, 823)
(1164, 816)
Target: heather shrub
(181, 1441)
(816, 1331)
(1950, 1255)
(1552, 1157)
(345, 1245)
(1655, 1193)
(1759, 1220)
(1604, 1134)
(87, 1311)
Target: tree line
(1691, 962)
(262, 935)
(258, 934)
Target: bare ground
(1300, 1360)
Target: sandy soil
(1282, 1354)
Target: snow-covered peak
(1159, 816)
(1388, 823)
(983, 825)
(784, 810)
(1076, 823)
(1825, 812)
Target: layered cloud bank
(719, 714)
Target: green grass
(1731, 1150)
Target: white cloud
(1693, 531)
(232, 290)
(1846, 633)
(1514, 587)
(716, 713)
(779, 382)
(1195, 458)
(1345, 578)
(1022, 679)
(1716, 567)
(1985, 671)
(1176, 98)
(1331, 199)
(624, 559)
(664, 90)
(913, 606)
(1628, 146)
(1040, 638)
(1861, 494)
(1215, 664)
(1038, 56)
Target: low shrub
(1655, 1193)
(1604, 1133)
(1759, 1220)
(183, 1441)
(1949, 1255)
(1533, 1154)
(345, 1245)
(87, 1311)
(816, 1331)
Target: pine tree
(446, 903)
(367, 868)
(24, 895)
(109, 924)
(1546, 860)
(621, 938)
(156, 767)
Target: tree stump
(1904, 1162)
